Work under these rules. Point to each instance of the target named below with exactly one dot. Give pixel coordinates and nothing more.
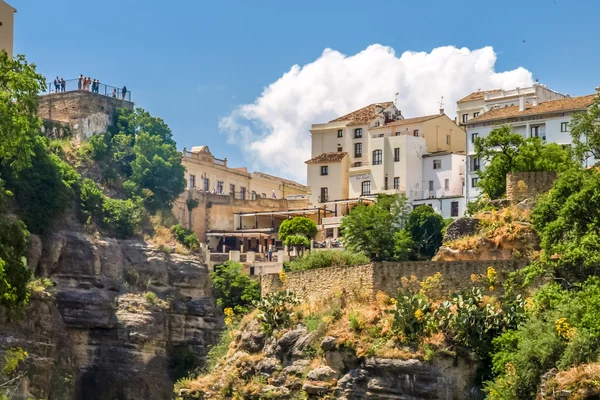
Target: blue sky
(194, 62)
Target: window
(385, 183)
(339, 149)
(357, 164)
(192, 181)
(324, 170)
(377, 157)
(365, 188)
(475, 164)
(243, 193)
(535, 131)
(437, 164)
(206, 185)
(219, 186)
(381, 135)
(324, 195)
(446, 184)
(454, 209)
(340, 133)
(465, 117)
(396, 182)
(357, 149)
(475, 115)
(564, 126)
(474, 182)
(253, 195)
(447, 139)
(416, 133)
(232, 190)
(430, 185)
(398, 133)
(473, 137)
(357, 133)
(397, 154)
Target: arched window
(253, 195)
(377, 157)
(366, 188)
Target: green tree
(585, 131)
(504, 151)
(233, 288)
(300, 242)
(297, 226)
(376, 230)
(425, 227)
(14, 273)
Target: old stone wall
(370, 279)
(85, 112)
(321, 283)
(523, 185)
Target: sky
(248, 78)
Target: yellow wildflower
(283, 277)
(564, 330)
(491, 275)
(228, 312)
(419, 315)
(228, 321)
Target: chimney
(441, 111)
(521, 103)
(534, 101)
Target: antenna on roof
(395, 98)
(441, 103)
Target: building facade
(549, 120)
(7, 27)
(376, 150)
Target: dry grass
(165, 240)
(583, 381)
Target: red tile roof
(364, 115)
(563, 105)
(327, 157)
(478, 95)
(408, 121)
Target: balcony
(332, 221)
(400, 190)
(360, 166)
(436, 193)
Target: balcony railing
(437, 193)
(331, 220)
(72, 85)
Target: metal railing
(71, 85)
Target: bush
(186, 237)
(14, 273)
(233, 288)
(326, 258)
(412, 315)
(425, 227)
(275, 310)
(121, 217)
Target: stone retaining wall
(324, 282)
(523, 185)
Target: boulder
(461, 227)
(252, 339)
(268, 365)
(286, 343)
(324, 374)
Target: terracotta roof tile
(408, 121)
(478, 95)
(562, 105)
(364, 115)
(327, 157)
(276, 178)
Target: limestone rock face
(461, 227)
(114, 342)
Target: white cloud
(273, 132)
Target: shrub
(233, 288)
(12, 358)
(121, 217)
(327, 258)
(275, 310)
(186, 237)
(412, 315)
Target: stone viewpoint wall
(86, 113)
(370, 279)
(523, 185)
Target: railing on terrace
(436, 193)
(102, 89)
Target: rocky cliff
(122, 316)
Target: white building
(548, 119)
(376, 150)
(479, 102)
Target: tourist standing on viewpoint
(63, 85)
(124, 91)
(115, 93)
(80, 82)
(57, 84)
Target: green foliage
(275, 310)
(119, 217)
(233, 288)
(504, 151)
(562, 331)
(44, 188)
(12, 358)
(183, 364)
(20, 85)
(297, 226)
(186, 237)
(412, 314)
(375, 230)
(298, 241)
(425, 227)
(325, 259)
(585, 131)
(568, 223)
(14, 273)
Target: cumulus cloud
(273, 132)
